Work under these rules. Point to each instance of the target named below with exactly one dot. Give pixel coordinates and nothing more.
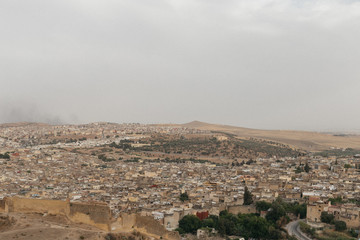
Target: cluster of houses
(153, 188)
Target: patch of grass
(307, 229)
(333, 235)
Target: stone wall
(313, 211)
(26, 205)
(171, 221)
(93, 214)
(351, 221)
(97, 215)
(2, 205)
(149, 225)
(143, 224)
(244, 209)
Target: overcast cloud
(274, 64)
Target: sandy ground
(311, 141)
(40, 227)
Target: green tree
(276, 212)
(223, 213)
(190, 224)
(262, 206)
(5, 155)
(184, 197)
(353, 233)
(340, 225)
(229, 226)
(248, 197)
(347, 166)
(307, 168)
(274, 233)
(337, 200)
(300, 210)
(208, 222)
(326, 217)
(298, 169)
(253, 226)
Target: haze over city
(179, 120)
(260, 64)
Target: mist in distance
(274, 64)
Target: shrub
(307, 229)
(326, 217)
(190, 224)
(340, 226)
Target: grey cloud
(282, 64)
(25, 112)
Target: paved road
(293, 229)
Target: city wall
(2, 205)
(153, 227)
(26, 205)
(94, 214)
(144, 224)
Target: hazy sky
(274, 64)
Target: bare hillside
(311, 141)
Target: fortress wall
(26, 205)
(97, 215)
(350, 222)
(144, 224)
(153, 227)
(2, 205)
(124, 223)
(94, 214)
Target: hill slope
(310, 141)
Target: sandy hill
(311, 141)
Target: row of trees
(338, 152)
(302, 168)
(245, 225)
(280, 208)
(123, 144)
(105, 159)
(248, 225)
(234, 148)
(5, 156)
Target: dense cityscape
(115, 164)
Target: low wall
(243, 209)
